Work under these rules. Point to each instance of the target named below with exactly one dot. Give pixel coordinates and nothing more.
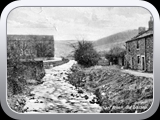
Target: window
(128, 48)
(137, 44)
(138, 59)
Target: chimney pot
(141, 30)
(150, 24)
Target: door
(143, 63)
(132, 67)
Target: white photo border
(80, 3)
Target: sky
(76, 23)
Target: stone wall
(149, 54)
(29, 70)
(24, 73)
(34, 70)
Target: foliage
(103, 62)
(85, 54)
(44, 50)
(76, 77)
(115, 53)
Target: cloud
(70, 22)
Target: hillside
(63, 48)
(117, 39)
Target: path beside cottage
(138, 73)
(56, 95)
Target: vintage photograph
(79, 60)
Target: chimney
(150, 24)
(141, 30)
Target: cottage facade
(139, 55)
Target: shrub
(115, 53)
(103, 62)
(85, 54)
(44, 50)
(16, 82)
(76, 78)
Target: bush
(44, 50)
(85, 54)
(16, 82)
(115, 53)
(103, 62)
(77, 78)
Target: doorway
(143, 62)
(132, 65)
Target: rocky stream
(56, 95)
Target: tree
(115, 53)
(85, 54)
(44, 50)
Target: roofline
(137, 38)
(27, 36)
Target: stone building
(30, 46)
(139, 55)
(27, 52)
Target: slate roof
(142, 35)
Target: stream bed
(56, 95)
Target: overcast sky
(69, 23)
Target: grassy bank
(117, 92)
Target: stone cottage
(30, 51)
(139, 50)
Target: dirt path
(136, 73)
(56, 95)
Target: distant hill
(63, 48)
(117, 39)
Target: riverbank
(117, 91)
(56, 95)
(69, 88)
